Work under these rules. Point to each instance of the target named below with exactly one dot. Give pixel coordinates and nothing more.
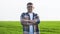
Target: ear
(33, 7)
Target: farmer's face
(29, 8)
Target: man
(30, 21)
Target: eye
(29, 7)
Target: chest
(31, 16)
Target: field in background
(15, 27)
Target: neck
(29, 12)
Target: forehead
(29, 5)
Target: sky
(48, 10)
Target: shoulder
(23, 13)
(35, 14)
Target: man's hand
(32, 21)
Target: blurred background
(48, 10)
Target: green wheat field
(15, 27)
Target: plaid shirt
(26, 27)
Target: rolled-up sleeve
(22, 17)
(37, 19)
